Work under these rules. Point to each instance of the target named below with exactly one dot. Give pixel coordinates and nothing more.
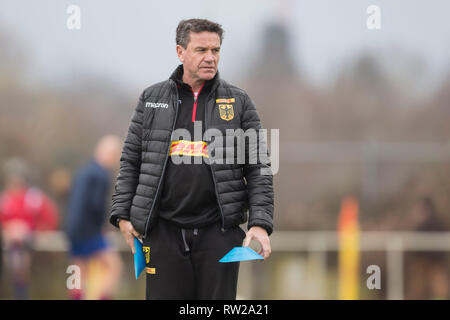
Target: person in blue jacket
(87, 213)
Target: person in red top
(23, 210)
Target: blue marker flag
(241, 254)
(139, 259)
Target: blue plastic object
(241, 254)
(139, 259)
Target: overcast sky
(132, 42)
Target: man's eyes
(204, 50)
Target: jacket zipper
(194, 109)
(212, 171)
(164, 167)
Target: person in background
(428, 270)
(23, 211)
(86, 216)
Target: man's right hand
(129, 233)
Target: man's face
(201, 57)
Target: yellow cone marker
(349, 255)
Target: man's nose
(209, 57)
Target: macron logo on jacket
(156, 105)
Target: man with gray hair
(188, 214)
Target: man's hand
(128, 233)
(259, 234)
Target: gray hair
(196, 25)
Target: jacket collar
(177, 76)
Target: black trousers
(184, 263)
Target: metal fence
(317, 244)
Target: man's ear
(180, 51)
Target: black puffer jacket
(241, 189)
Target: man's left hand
(259, 234)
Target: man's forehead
(204, 39)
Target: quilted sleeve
(257, 173)
(130, 162)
